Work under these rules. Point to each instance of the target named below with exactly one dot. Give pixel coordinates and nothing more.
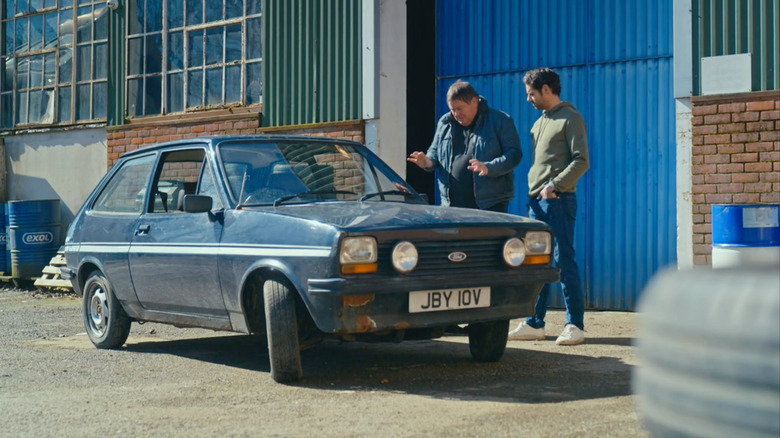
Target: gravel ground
(190, 382)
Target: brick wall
(152, 130)
(736, 157)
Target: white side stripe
(210, 249)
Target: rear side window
(125, 191)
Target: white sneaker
(525, 332)
(571, 335)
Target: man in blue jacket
(475, 151)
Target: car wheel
(487, 340)
(708, 346)
(282, 331)
(106, 322)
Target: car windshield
(262, 173)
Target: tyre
(487, 340)
(282, 332)
(708, 345)
(105, 320)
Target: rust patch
(402, 326)
(365, 324)
(358, 300)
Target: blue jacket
(496, 143)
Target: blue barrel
(745, 234)
(5, 266)
(34, 235)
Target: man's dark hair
(461, 90)
(538, 77)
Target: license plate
(448, 299)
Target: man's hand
(420, 159)
(478, 167)
(548, 192)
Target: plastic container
(34, 235)
(745, 234)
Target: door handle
(143, 229)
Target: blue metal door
(615, 62)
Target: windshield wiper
(313, 192)
(388, 192)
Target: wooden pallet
(50, 276)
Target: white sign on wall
(726, 74)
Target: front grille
(480, 255)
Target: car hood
(357, 216)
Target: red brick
(761, 105)
(758, 147)
(770, 115)
(735, 148)
(705, 188)
(770, 156)
(745, 177)
(759, 126)
(717, 159)
(731, 127)
(702, 228)
(758, 188)
(700, 207)
(698, 218)
(698, 238)
(744, 158)
(719, 139)
(768, 177)
(770, 198)
(717, 119)
(718, 178)
(746, 117)
(704, 168)
(736, 107)
(759, 167)
(704, 149)
(718, 198)
(746, 198)
(746, 137)
(697, 120)
(697, 140)
(705, 129)
(702, 249)
(704, 110)
(697, 179)
(770, 136)
(733, 167)
(701, 260)
(731, 188)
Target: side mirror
(197, 203)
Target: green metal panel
(116, 67)
(312, 65)
(731, 27)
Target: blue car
(300, 239)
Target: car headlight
(538, 242)
(405, 257)
(358, 250)
(514, 252)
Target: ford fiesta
(300, 239)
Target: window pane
(254, 42)
(8, 77)
(234, 8)
(175, 13)
(194, 12)
(8, 30)
(153, 15)
(135, 97)
(214, 46)
(233, 43)
(135, 17)
(22, 41)
(214, 86)
(254, 7)
(66, 65)
(213, 10)
(153, 93)
(83, 99)
(196, 48)
(175, 102)
(7, 110)
(36, 32)
(21, 107)
(35, 5)
(254, 84)
(135, 56)
(35, 106)
(154, 53)
(9, 8)
(65, 3)
(36, 71)
(101, 61)
(101, 22)
(84, 66)
(63, 113)
(195, 88)
(233, 84)
(66, 33)
(121, 194)
(176, 51)
(49, 69)
(99, 100)
(22, 70)
(50, 33)
(84, 34)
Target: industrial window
(185, 55)
(54, 62)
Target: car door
(173, 255)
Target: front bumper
(384, 300)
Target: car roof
(212, 141)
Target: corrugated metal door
(615, 62)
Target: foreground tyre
(487, 341)
(105, 320)
(708, 345)
(282, 331)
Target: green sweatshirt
(560, 142)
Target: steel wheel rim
(98, 311)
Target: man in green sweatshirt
(560, 147)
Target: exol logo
(38, 238)
(3, 238)
(457, 256)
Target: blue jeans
(560, 214)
